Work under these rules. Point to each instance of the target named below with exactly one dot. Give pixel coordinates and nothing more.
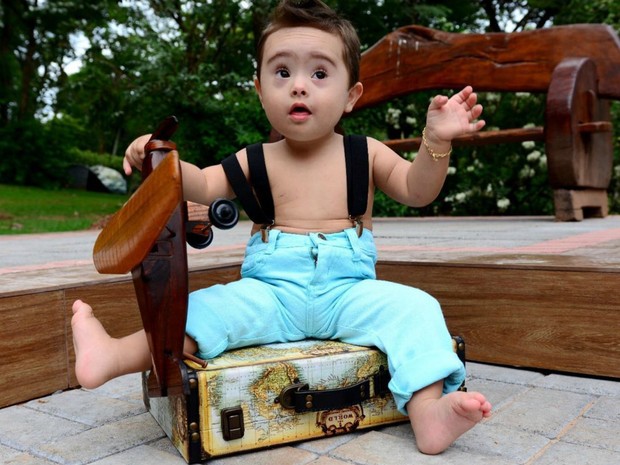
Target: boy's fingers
(437, 102)
(479, 124)
(127, 166)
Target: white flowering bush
(614, 187)
(501, 179)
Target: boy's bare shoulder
(381, 153)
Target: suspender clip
(358, 223)
(264, 231)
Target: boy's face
(303, 84)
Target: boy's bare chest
(316, 183)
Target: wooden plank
(33, 347)
(557, 320)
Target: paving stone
(595, 433)
(599, 387)
(100, 442)
(86, 407)
(142, 455)
(26, 459)
(571, 454)
(279, 455)
(496, 392)
(165, 445)
(377, 448)
(8, 452)
(21, 428)
(542, 411)
(127, 387)
(503, 374)
(499, 441)
(324, 445)
(324, 460)
(371, 448)
(605, 408)
(403, 431)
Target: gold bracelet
(436, 156)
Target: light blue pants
(324, 286)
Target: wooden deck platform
(527, 292)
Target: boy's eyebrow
(287, 54)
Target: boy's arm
(419, 182)
(200, 186)
(205, 185)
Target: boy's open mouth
(299, 110)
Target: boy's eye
(283, 73)
(320, 74)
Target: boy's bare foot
(94, 364)
(438, 422)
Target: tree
(188, 58)
(36, 44)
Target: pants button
(322, 236)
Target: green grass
(25, 210)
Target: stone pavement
(539, 418)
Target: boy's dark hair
(315, 14)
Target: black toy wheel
(223, 214)
(199, 241)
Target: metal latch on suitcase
(232, 423)
(300, 397)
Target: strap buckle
(264, 231)
(358, 223)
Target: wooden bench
(577, 66)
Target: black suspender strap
(260, 179)
(261, 210)
(356, 157)
(243, 191)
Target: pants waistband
(347, 238)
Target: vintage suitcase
(270, 395)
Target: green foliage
(601, 11)
(36, 44)
(614, 187)
(36, 153)
(146, 60)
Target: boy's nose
(298, 88)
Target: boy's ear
(355, 93)
(258, 89)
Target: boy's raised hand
(134, 155)
(448, 118)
